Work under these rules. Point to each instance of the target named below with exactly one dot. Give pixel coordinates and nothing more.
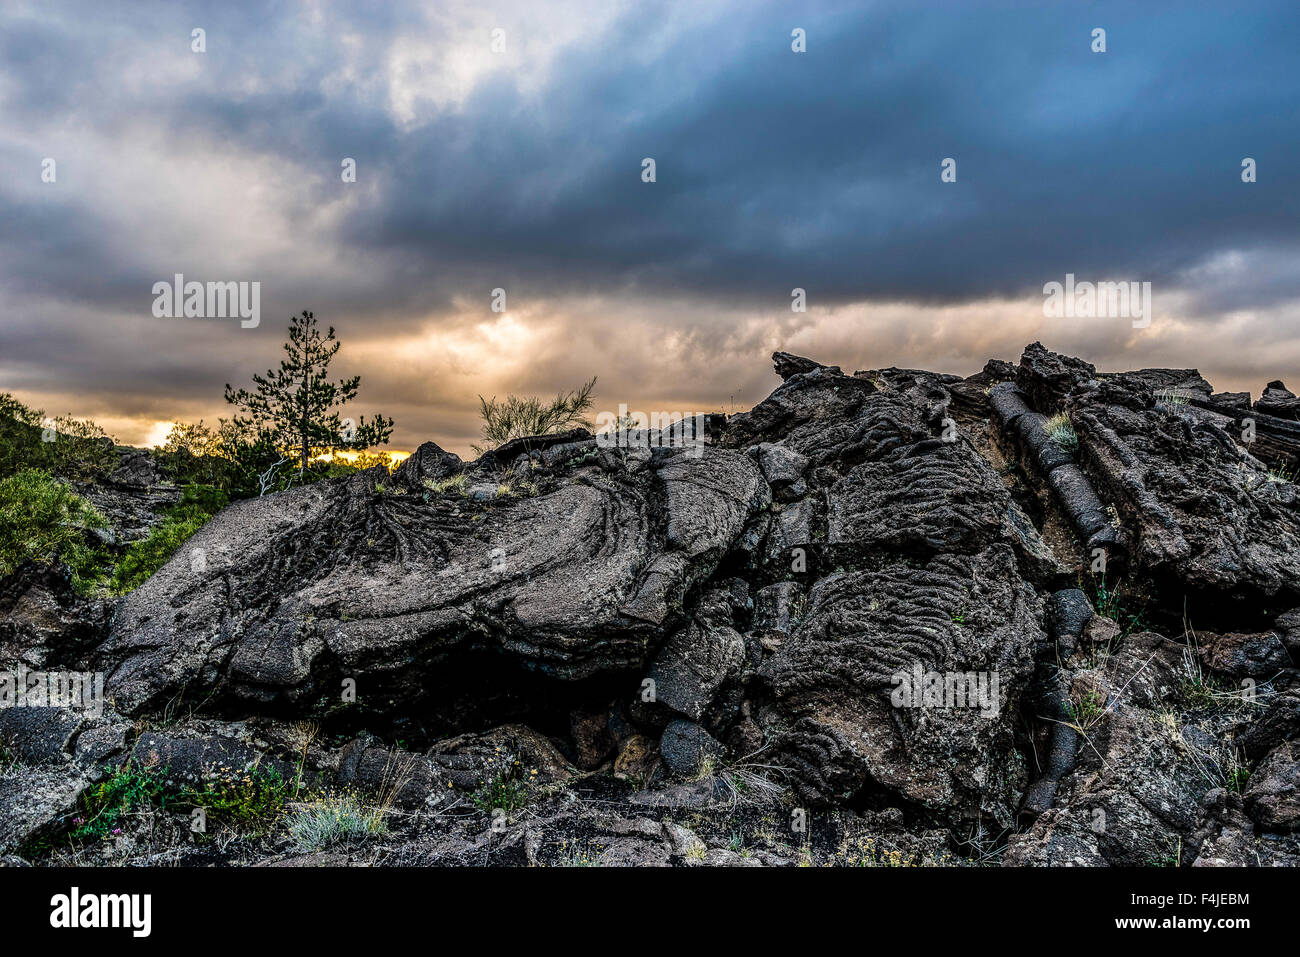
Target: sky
(502, 146)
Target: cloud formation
(521, 169)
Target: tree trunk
(306, 393)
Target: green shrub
(1061, 431)
(11, 408)
(76, 448)
(340, 819)
(103, 806)
(1281, 474)
(198, 504)
(20, 435)
(250, 799)
(191, 454)
(514, 417)
(505, 791)
(80, 448)
(41, 520)
(245, 464)
(452, 483)
(1125, 612)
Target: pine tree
(294, 407)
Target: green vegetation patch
(198, 504)
(1060, 430)
(340, 819)
(251, 800)
(42, 519)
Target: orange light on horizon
(348, 456)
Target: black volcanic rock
(44, 622)
(1278, 400)
(1047, 377)
(832, 715)
(1205, 512)
(352, 579)
(427, 463)
(873, 595)
(788, 365)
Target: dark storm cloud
(774, 169)
(822, 170)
